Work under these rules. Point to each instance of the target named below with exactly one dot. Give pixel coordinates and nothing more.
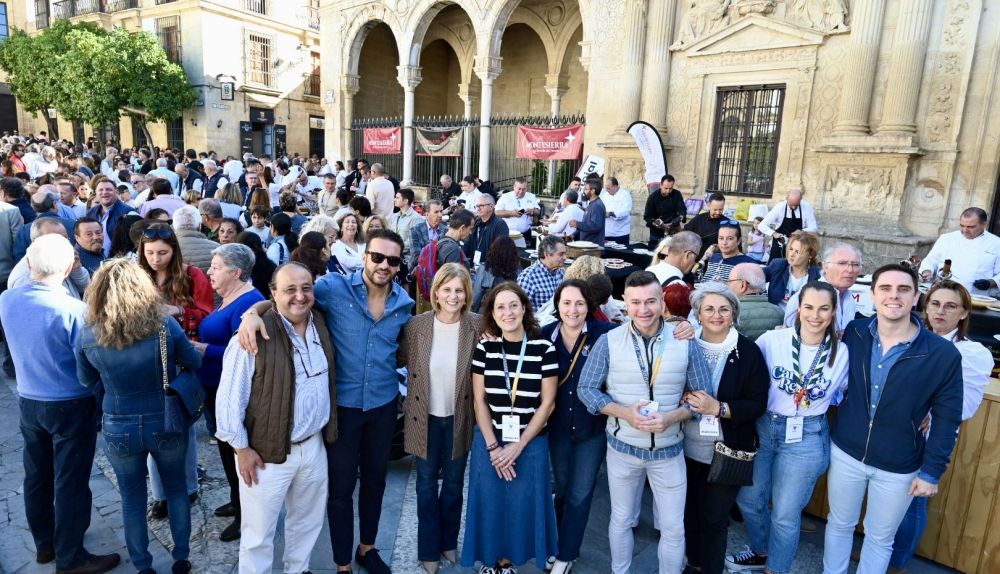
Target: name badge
(709, 425)
(649, 409)
(793, 429)
(510, 428)
(476, 257)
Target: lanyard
(815, 369)
(646, 364)
(579, 347)
(517, 374)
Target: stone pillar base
(878, 245)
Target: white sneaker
(549, 563)
(560, 567)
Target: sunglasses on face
(377, 258)
(161, 233)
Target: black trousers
(706, 518)
(226, 452)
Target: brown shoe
(94, 564)
(45, 555)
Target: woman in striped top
(510, 517)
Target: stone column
(860, 60)
(465, 94)
(409, 77)
(906, 68)
(350, 84)
(488, 69)
(659, 36)
(555, 86)
(633, 38)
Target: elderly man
(973, 251)
(618, 204)
(69, 197)
(78, 279)
(542, 277)
(841, 267)
(272, 408)
(707, 223)
(109, 210)
(58, 416)
(211, 218)
(45, 202)
(87, 232)
(163, 172)
(674, 263)
(432, 228)
(190, 179)
(449, 188)
(162, 197)
(195, 247)
(757, 314)
(380, 192)
(488, 229)
(214, 179)
(518, 209)
(786, 218)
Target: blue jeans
(439, 513)
(60, 438)
(911, 530)
(130, 439)
(574, 467)
(190, 469)
(784, 475)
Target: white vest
(627, 386)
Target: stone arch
(357, 31)
(497, 21)
(379, 93)
(438, 92)
(415, 38)
(564, 42)
(544, 32)
(464, 51)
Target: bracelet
(675, 319)
(492, 447)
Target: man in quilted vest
(636, 374)
(272, 408)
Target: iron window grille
(745, 139)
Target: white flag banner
(591, 164)
(651, 147)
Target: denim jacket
(131, 378)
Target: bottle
(945, 272)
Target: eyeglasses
(721, 311)
(377, 258)
(949, 307)
(310, 374)
(483, 206)
(850, 264)
(158, 233)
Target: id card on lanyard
(794, 425)
(650, 369)
(510, 425)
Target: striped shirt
(540, 361)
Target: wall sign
(228, 90)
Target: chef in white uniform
(973, 251)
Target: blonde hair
(368, 223)
(123, 305)
(585, 267)
(230, 193)
(446, 273)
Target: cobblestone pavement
(397, 533)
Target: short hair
(446, 273)
(288, 201)
(470, 180)
(273, 284)
(571, 196)
(377, 169)
(963, 294)
(576, 179)
(601, 288)
(829, 251)
(210, 164)
(908, 270)
(809, 241)
(716, 197)
(161, 162)
(685, 241)
(975, 212)
(321, 224)
(50, 255)
(613, 180)
(752, 273)
(72, 186)
(548, 244)
(13, 187)
(49, 199)
(707, 288)
(361, 204)
(585, 290)
(344, 196)
(521, 179)
(210, 207)
(39, 225)
(330, 176)
(407, 194)
(83, 221)
(161, 187)
(446, 177)
(593, 184)
(386, 234)
(667, 177)
(431, 202)
(641, 279)
(187, 217)
(236, 256)
(459, 219)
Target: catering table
(617, 276)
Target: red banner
(383, 140)
(550, 143)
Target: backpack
(427, 266)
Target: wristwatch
(723, 410)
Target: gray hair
(707, 288)
(49, 255)
(548, 244)
(685, 241)
(36, 230)
(210, 164)
(161, 162)
(210, 207)
(236, 256)
(320, 223)
(187, 217)
(752, 273)
(830, 250)
(431, 202)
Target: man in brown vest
(272, 408)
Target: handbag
(731, 466)
(184, 398)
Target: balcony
(311, 17)
(73, 8)
(312, 86)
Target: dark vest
(269, 413)
(192, 177)
(211, 185)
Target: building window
(79, 135)
(138, 136)
(312, 80)
(255, 6)
(312, 14)
(745, 139)
(4, 29)
(42, 14)
(258, 60)
(168, 30)
(175, 133)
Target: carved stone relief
(947, 75)
(823, 15)
(869, 189)
(702, 18)
(746, 7)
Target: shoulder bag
(183, 398)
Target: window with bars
(42, 14)
(175, 133)
(257, 64)
(255, 6)
(312, 80)
(4, 24)
(745, 139)
(168, 30)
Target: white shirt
(971, 259)
(470, 199)
(664, 271)
(231, 210)
(977, 366)
(349, 259)
(443, 368)
(510, 202)
(380, 194)
(173, 178)
(573, 212)
(621, 205)
(776, 217)
(776, 346)
(847, 308)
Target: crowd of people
(298, 296)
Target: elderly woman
(437, 350)
(728, 413)
(229, 273)
(119, 351)
(228, 230)
(327, 226)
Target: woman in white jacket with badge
(808, 369)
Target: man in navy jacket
(108, 210)
(899, 372)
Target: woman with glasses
(187, 294)
(726, 413)
(231, 268)
(947, 313)
(720, 259)
(119, 350)
(510, 517)
(808, 367)
(437, 349)
(787, 276)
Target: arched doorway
(379, 99)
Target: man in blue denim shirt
(899, 372)
(58, 414)
(366, 312)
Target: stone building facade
(880, 110)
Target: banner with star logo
(564, 142)
(383, 140)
